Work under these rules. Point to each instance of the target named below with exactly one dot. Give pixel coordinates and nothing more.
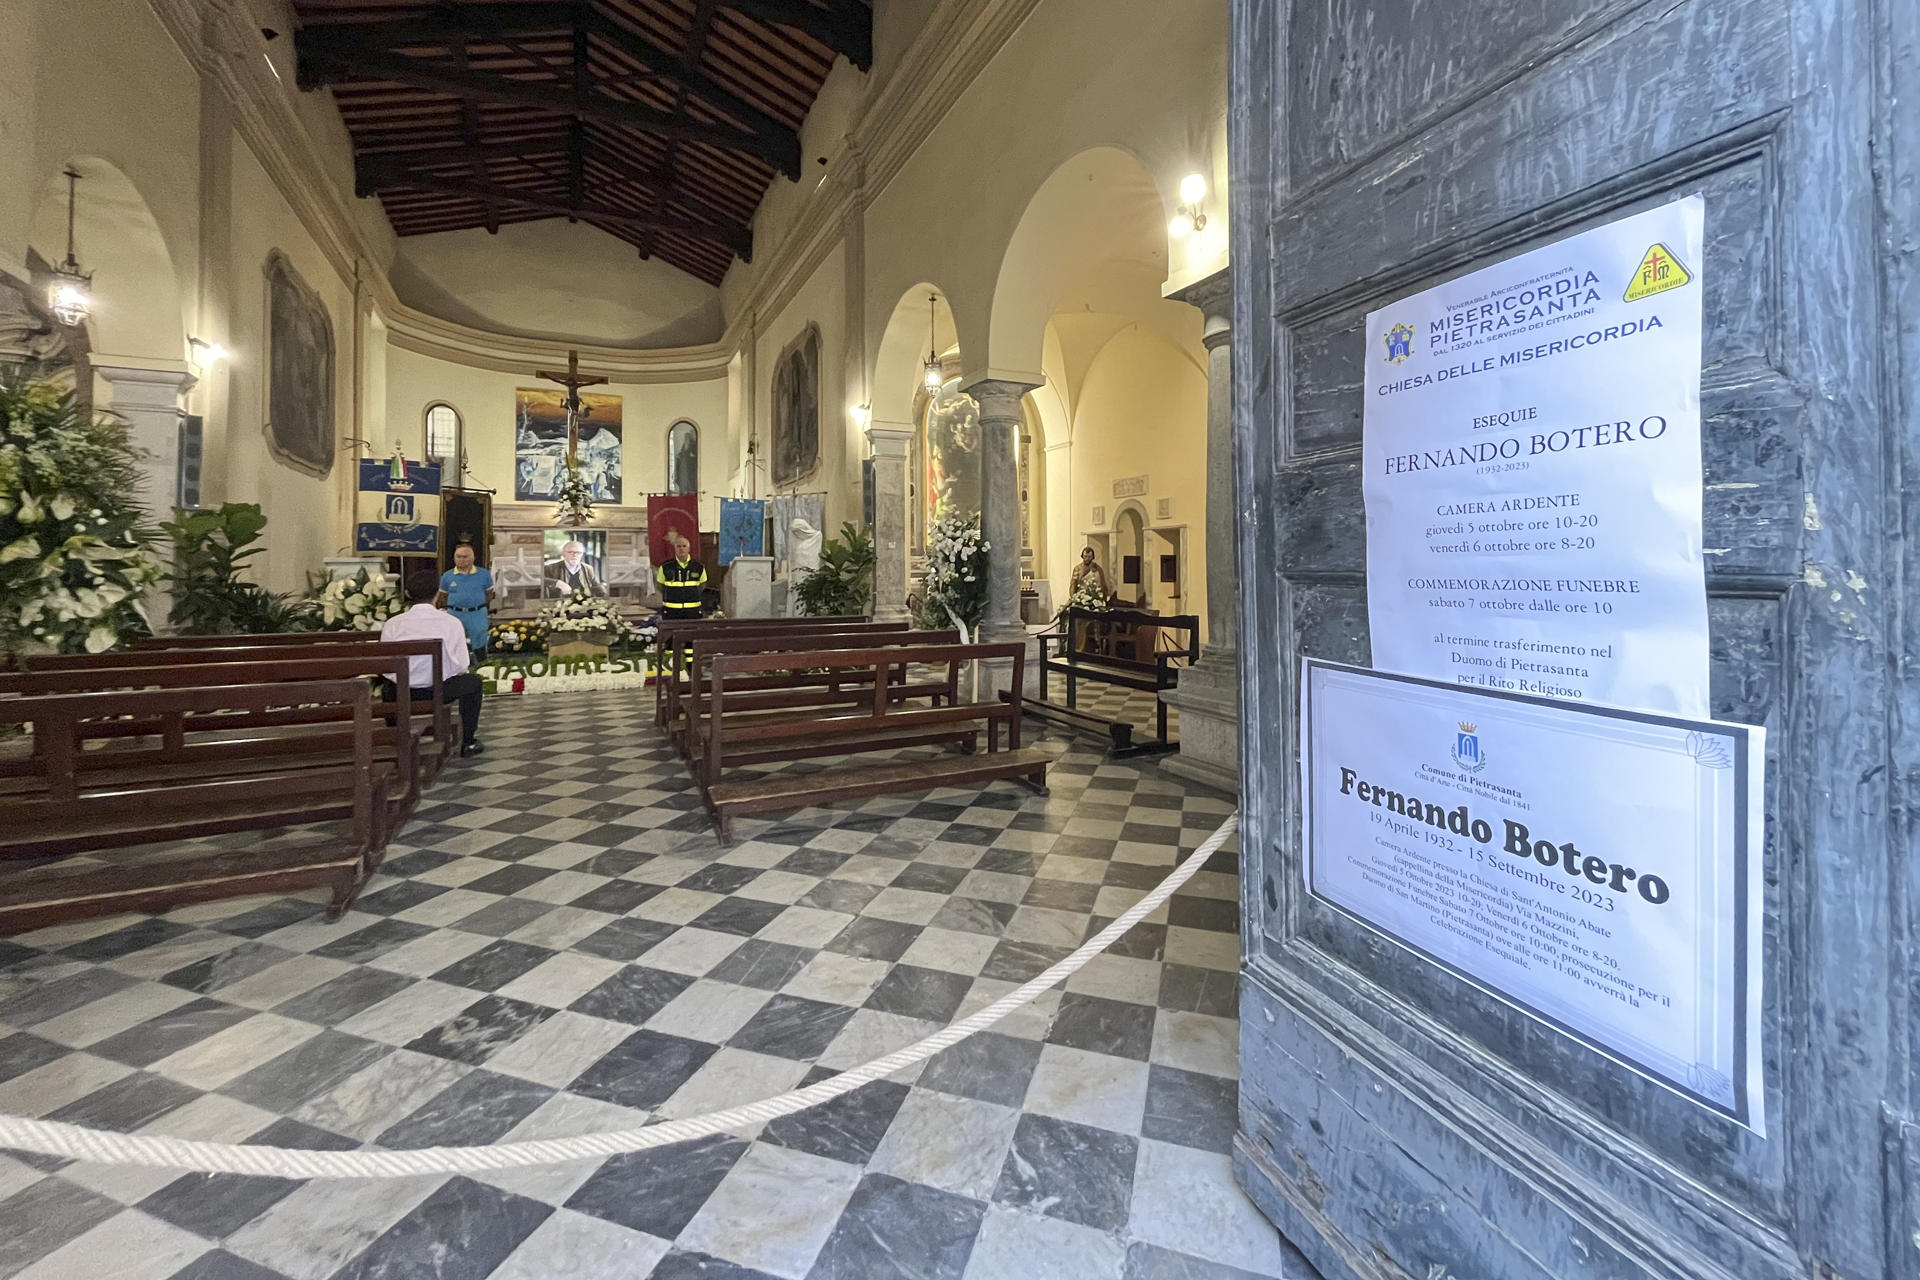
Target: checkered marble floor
(559, 945)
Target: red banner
(665, 513)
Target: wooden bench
(676, 637)
(1116, 647)
(431, 715)
(883, 724)
(182, 745)
(797, 687)
(238, 641)
(75, 810)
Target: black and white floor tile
(558, 945)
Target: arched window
(443, 441)
(683, 458)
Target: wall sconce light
(1187, 215)
(862, 415)
(206, 354)
(69, 293)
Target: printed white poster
(1532, 453)
(1596, 868)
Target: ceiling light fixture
(935, 376)
(1187, 215)
(69, 294)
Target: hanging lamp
(68, 294)
(935, 376)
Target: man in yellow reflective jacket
(681, 580)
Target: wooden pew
(1117, 647)
(883, 724)
(675, 638)
(385, 660)
(798, 687)
(137, 749)
(76, 811)
(235, 641)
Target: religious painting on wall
(540, 444)
(952, 453)
(299, 371)
(796, 410)
(683, 458)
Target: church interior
(392, 275)
(823, 639)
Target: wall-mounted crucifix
(572, 381)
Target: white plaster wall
(308, 518)
(1145, 76)
(556, 280)
(1142, 410)
(484, 399)
(820, 301)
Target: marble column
(891, 445)
(1208, 698)
(149, 399)
(1000, 425)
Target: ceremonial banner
(1532, 482)
(743, 528)
(680, 512)
(1598, 869)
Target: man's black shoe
(471, 749)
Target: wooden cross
(572, 381)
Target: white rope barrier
(98, 1146)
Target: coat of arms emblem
(1399, 342)
(1466, 749)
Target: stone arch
(901, 357)
(1092, 238)
(139, 308)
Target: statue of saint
(803, 548)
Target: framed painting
(540, 444)
(299, 371)
(796, 409)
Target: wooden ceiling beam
(374, 175)
(321, 67)
(845, 26)
(325, 53)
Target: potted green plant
(843, 584)
(210, 548)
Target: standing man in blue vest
(466, 590)
(681, 580)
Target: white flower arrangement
(575, 497)
(594, 615)
(1087, 594)
(359, 603)
(957, 570)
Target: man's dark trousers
(464, 689)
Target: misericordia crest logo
(1466, 749)
(1399, 340)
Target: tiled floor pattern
(560, 945)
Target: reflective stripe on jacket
(680, 585)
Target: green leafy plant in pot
(210, 597)
(843, 584)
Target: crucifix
(572, 381)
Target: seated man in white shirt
(457, 684)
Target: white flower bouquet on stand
(957, 577)
(359, 603)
